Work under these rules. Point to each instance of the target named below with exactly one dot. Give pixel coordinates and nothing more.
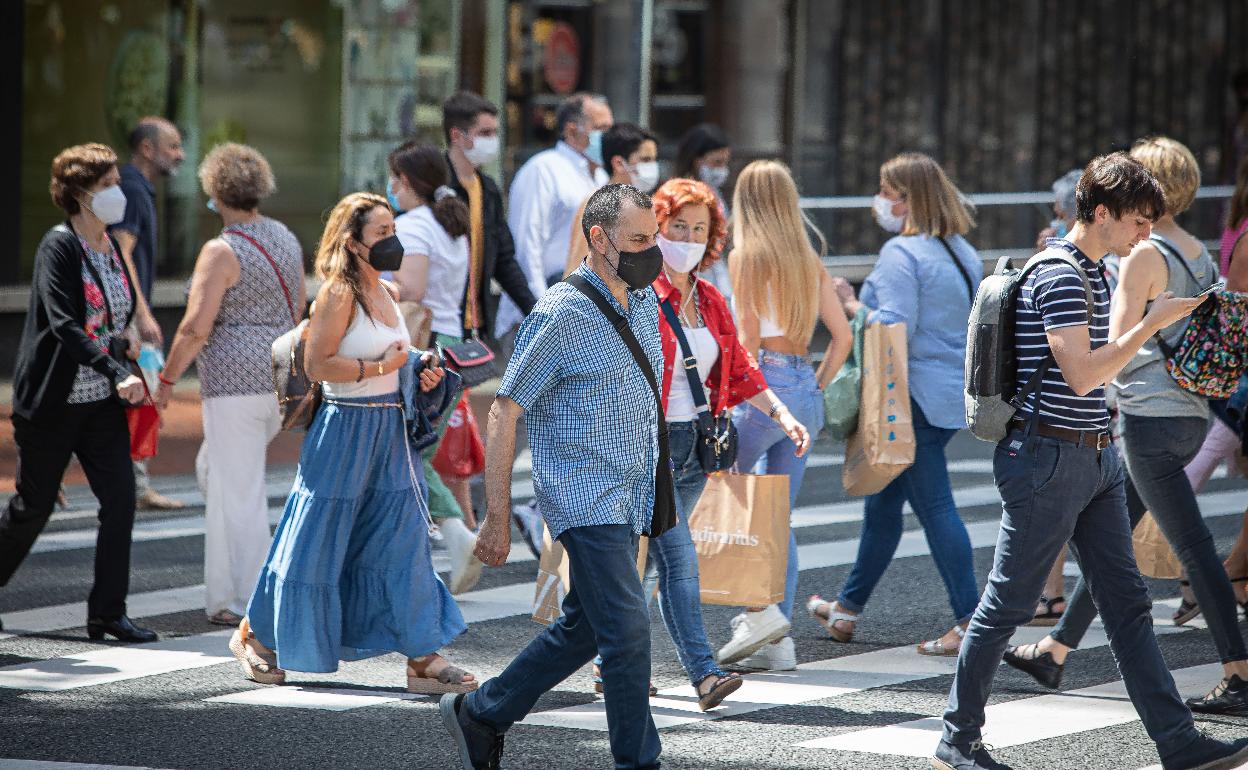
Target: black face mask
(638, 269)
(386, 254)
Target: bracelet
(776, 408)
(360, 361)
(161, 376)
(380, 372)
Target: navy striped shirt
(1052, 297)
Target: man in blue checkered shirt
(593, 430)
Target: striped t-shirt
(1052, 297)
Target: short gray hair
(572, 109)
(604, 206)
(1064, 191)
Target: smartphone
(1217, 286)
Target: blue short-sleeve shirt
(140, 221)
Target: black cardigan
(54, 337)
(498, 260)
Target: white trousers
(230, 469)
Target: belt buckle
(1102, 441)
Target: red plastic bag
(144, 421)
(461, 452)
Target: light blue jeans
(764, 448)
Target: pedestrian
(548, 190)
(1162, 429)
(433, 229)
(350, 574)
(926, 278)
(72, 382)
(155, 151)
(704, 153)
(781, 290)
(598, 442)
(247, 290)
(1061, 480)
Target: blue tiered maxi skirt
(350, 574)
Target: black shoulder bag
(970, 285)
(717, 436)
(664, 515)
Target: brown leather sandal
(257, 666)
(724, 686)
(449, 679)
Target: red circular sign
(561, 59)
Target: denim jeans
(764, 448)
(926, 486)
(604, 611)
(1054, 492)
(1156, 450)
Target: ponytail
(426, 172)
(450, 212)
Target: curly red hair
(675, 194)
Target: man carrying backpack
(1061, 479)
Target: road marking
(38, 764)
(321, 698)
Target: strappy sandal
(833, 617)
(725, 685)
(598, 683)
(1187, 610)
(937, 648)
(257, 666)
(1049, 616)
(449, 679)
(224, 618)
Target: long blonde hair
(334, 261)
(936, 206)
(775, 271)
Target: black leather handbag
(717, 436)
(472, 360)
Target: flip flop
(1050, 616)
(724, 686)
(449, 679)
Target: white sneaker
(465, 566)
(751, 630)
(778, 656)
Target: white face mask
(681, 256)
(484, 149)
(109, 205)
(884, 215)
(645, 175)
(715, 176)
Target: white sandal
(830, 620)
(936, 647)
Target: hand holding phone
(1217, 286)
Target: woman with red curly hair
(692, 233)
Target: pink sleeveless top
(1229, 237)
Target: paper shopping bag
(740, 530)
(554, 580)
(1153, 554)
(883, 445)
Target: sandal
(225, 618)
(258, 666)
(724, 685)
(937, 648)
(598, 683)
(1187, 610)
(832, 617)
(1049, 616)
(449, 679)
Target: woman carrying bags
(926, 278)
(781, 288)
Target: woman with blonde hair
(350, 574)
(926, 278)
(780, 290)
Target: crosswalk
(835, 673)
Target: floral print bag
(1211, 355)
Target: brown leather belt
(1081, 438)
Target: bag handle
(970, 285)
(290, 304)
(690, 361)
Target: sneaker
(153, 500)
(1039, 665)
(777, 656)
(480, 746)
(1230, 697)
(751, 630)
(1207, 753)
(465, 566)
(969, 756)
(529, 522)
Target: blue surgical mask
(1059, 228)
(594, 150)
(392, 198)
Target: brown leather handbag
(298, 396)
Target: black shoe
(1230, 697)
(1042, 667)
(120, 628)
(969, 756)
(480, 746)
(1207, 753)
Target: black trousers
(97, 433)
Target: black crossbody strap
(970, 285)
(690, 361)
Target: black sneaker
(480, 746)
(1041, 667)
(1207, 753)
(968, 756)
(1230, 697)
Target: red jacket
(735, 377)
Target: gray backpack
(992, 395)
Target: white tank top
(367, 339)
(702, 344)
(767, 327)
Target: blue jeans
(764, 448)
(1053, 492)
(926, 485)
(603, 611)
